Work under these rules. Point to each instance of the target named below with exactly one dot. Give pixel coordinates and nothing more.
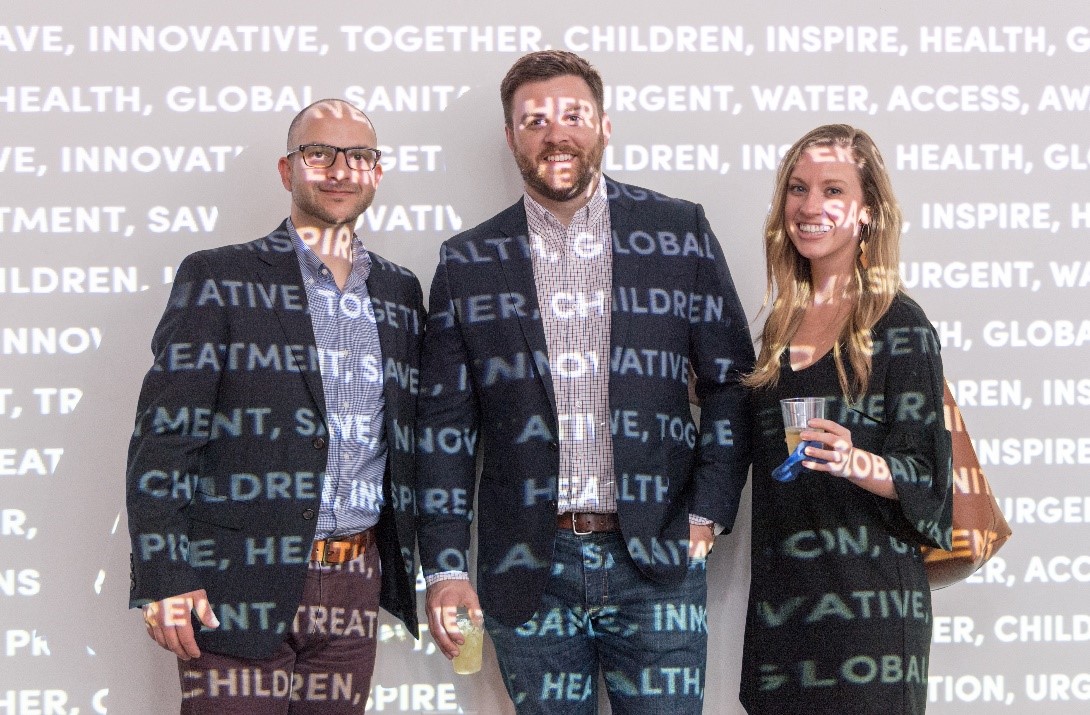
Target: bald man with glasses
(272, 452)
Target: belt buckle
(324, 561)
(575, 528)
(326, 552)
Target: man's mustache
(560, 149)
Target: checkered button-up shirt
(350, 360)
(573, 275)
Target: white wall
(988, 120)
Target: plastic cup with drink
(468, 660)
(797, 413)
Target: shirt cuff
(446, 576)
(698, 520)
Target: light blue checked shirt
(350, 357)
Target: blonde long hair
(874, 282)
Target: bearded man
(561, 337)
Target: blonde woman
(839, 614)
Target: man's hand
(701, 538)
(170, 626)
(443, 600)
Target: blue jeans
(599, 611)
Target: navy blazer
(485, 381)
(227, 457)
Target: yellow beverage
(468, 660)
(793, 437)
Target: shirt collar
(538, 214)
(312, 265)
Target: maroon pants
(324, 666)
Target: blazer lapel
(377, 288)
(513, 256)
(627, 267)
(283, 269)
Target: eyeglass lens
(322, 156)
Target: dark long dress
(839, 616)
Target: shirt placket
(579, 274)
(596, 338)
(331, 333)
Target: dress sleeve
(917, 445)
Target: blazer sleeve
(164, 457)
(446, 481)
(721, 353)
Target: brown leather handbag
(979, 527)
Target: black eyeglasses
(323, 156)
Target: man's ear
(376, 175)
(509, 132)
(284, 167)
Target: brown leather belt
(342, 549)
(586, 522)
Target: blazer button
(553, 446)
(308, 514)
(319, 442)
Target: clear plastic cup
(797, 413)
(468, 660)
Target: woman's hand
(843, 459)
(836, 447)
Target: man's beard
(582, 172)
(345, 214)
